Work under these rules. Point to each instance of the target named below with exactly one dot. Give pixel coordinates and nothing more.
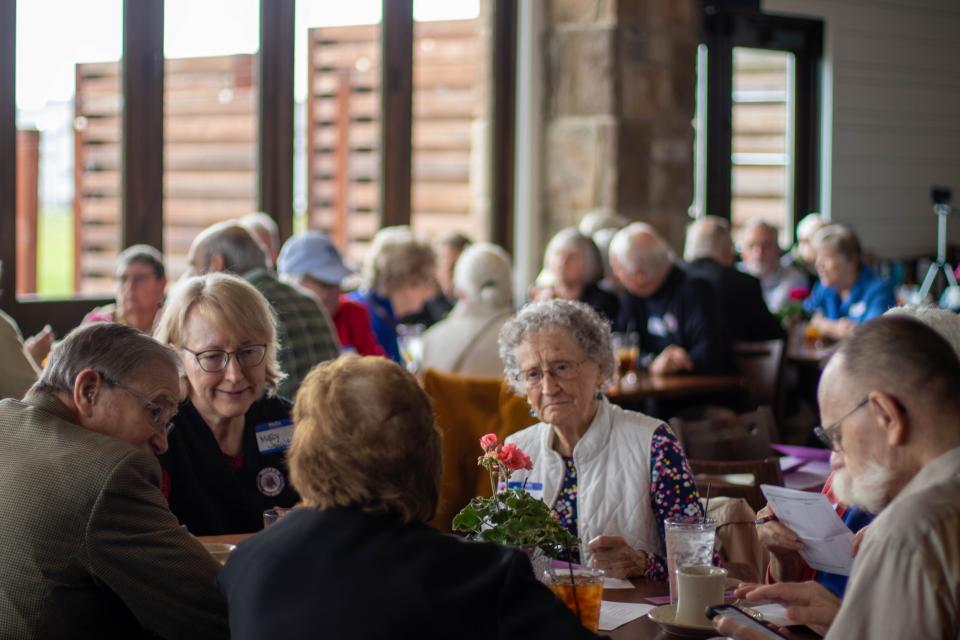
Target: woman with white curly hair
(612, 476)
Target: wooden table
(650, 387)
(232, 538)
(808, 352)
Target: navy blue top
(680, 312)
(870, 297)
(382, 320)
(855, 519)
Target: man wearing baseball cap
(312, 262)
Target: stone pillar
(619, 81)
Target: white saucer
(664, 616)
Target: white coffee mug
(698, 587)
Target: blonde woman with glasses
(225, 464)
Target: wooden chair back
(761, 365)
(728, 437)
(467, 408)
(737, 478)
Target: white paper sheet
(616, 583)
(827, 542)
(617, 614)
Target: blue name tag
(275, 436)
(529, 486)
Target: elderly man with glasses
(88, 545)
(889, 397)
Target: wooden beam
(503, 122)
(396, 111)
(28, 182)
(142, 128)
(8, 151)
(277, 30)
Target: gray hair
(241, 253)
(838, 239)
(483, 275)
(943, 321)
(708, 237)
(258, 221)
(571, 237)
(639, 248)
(809, 225)
(602, 218)
(395, 257)
(116, 351)
(143, 254)
(585, 325)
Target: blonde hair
(395, 257)
(365, 436)
(230, 303)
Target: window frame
(142, 154)
(727, 28)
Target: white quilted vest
(613, 475)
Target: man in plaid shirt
(305, 332)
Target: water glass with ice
(690, 541)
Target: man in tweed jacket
(305, 332)
(88, 547)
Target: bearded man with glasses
(88, 546)
(225, 465)
(889, 396)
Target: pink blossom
(488, 442)
(513, 458)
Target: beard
(870, 490)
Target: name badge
(535, 489)
(670, 321)
(273, 437)
(656, 326)
(857, 309)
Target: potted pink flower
(511, 515)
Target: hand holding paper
(827, 542)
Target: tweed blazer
(88, 547)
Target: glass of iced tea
(626, 346)
(580, 588)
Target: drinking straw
(573, 583)
(706, 506)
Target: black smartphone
(765, 629)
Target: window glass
(210, 118)
(68, 134)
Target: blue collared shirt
(870, 297)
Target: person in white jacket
(465, 342)
(611, 476)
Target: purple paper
(804, 453)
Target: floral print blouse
(673, 492)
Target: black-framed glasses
(560, 370)
(831, 435)
(216, 360)
(161, 417)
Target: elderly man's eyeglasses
(216, 360)
(561, 370)
(831, 435)
(161, 417)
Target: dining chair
(728, 436)
(466, 408)
(761, 365)
(737, 478)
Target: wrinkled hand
(617, 558)
(776, 537)
(835, 329)
(733, 629)
(38, 346)
(673, 359)
(807, 603)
